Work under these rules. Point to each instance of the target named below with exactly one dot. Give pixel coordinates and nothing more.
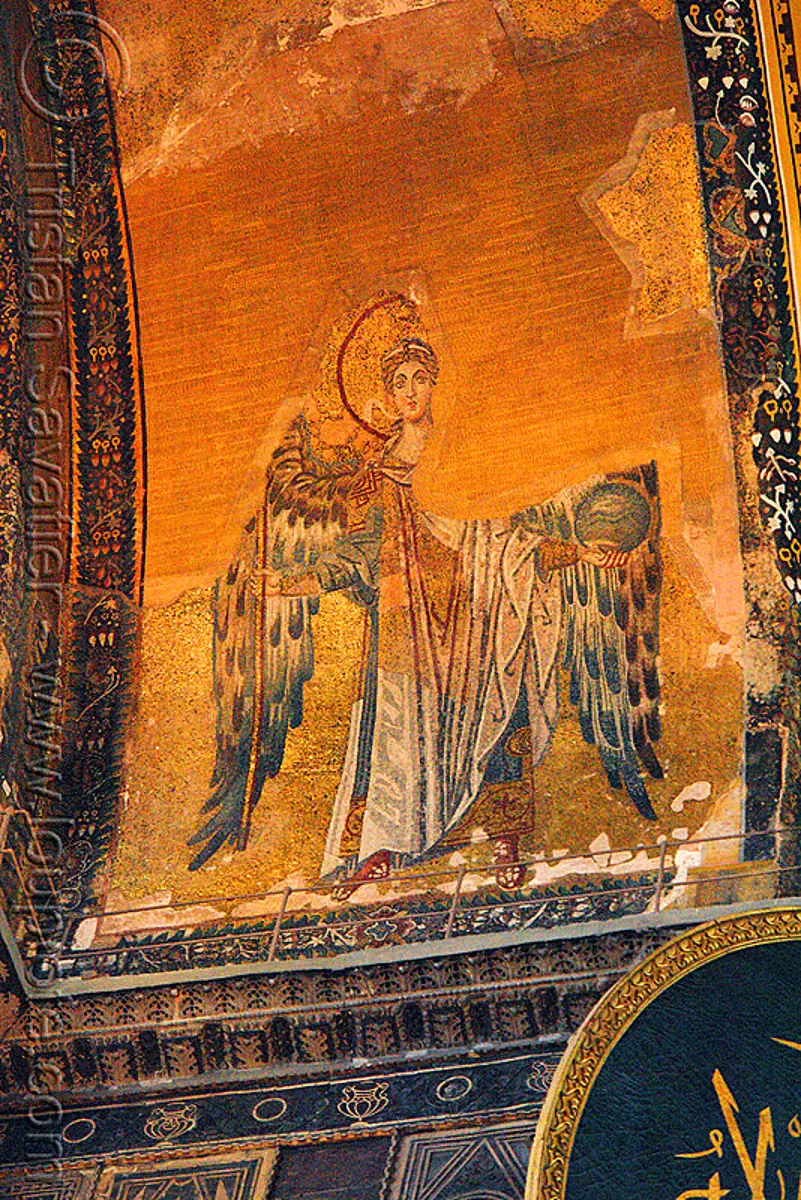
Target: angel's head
(409, 372)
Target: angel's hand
(265, 582)
(603, 556)
(299, 585)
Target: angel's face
(411, 391)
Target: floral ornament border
(614, 1014)
(309, 938)
(99, 625)
(748, 254)
(109, 406)
(12, 391)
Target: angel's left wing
(611, 647)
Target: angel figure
(466, 624)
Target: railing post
(457, 891)
(277, 927)
(660, 878)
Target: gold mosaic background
(278, 171)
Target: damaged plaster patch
(285, 77)
(694, 792)
(714, 848)
(718, 652)
(345, 13)
(556, 21)
(763, 669)
(648, 207)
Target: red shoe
(374, 868)
(509, 872)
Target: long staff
(258, 677)
(261, 597)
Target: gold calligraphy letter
(713, 1192)
(715, 1147)
(754, 1171)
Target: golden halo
(380, 325)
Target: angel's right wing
(263, 646)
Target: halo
(376, 337)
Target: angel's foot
(374, 868)
(509, 871)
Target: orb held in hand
(612, 514)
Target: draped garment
(458, 617)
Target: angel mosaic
(467, 626)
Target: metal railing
(438, 902)
(644, 882)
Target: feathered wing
(611, 645)
(263, 645)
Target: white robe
(434, 731)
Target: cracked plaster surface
(247, 71)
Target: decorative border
(369, 927)
(535, 994)
(612, 1017)
(349, 1103)
(109, 401)
(101, 594)
(748, 255)
(127, 1177)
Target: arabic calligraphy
(758, 1170)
